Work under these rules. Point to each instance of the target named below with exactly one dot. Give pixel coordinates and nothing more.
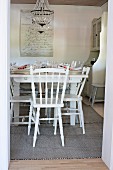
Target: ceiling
(65, 2)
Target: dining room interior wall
(72, 33)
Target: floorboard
(69, 164)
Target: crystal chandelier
(42, 14)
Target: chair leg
(11, 112)
(36, 127)
(60, 125)
(54, 116)
(30, 115)
(76, 116)
(55, 120)
(55, 110)
(79, 110)
(81, 116)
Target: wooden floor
(98, 107)
(69, 164)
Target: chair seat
(72, 97)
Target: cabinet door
(98, 32)
(96, 29)
(94, 35)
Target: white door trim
(107, 149)
(4, 84)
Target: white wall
(107, 152)
(4, 85)
(72, 32)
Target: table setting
(25, 68)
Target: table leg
(72, 104)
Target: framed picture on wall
(35, 41)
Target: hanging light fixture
(42, 14)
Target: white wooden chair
(16, 120)
(48, 77)
(77, 98)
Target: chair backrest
(47, 78)
(11, 89)
(73, 64)
(80, 86)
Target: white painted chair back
(18, 99)
(44, 79)
(76, 99)
(11, 89)
(80, 86)
(47, 78)
(73, 64)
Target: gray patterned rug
(49, 146)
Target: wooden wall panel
(65, 2)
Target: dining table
(74, 77)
